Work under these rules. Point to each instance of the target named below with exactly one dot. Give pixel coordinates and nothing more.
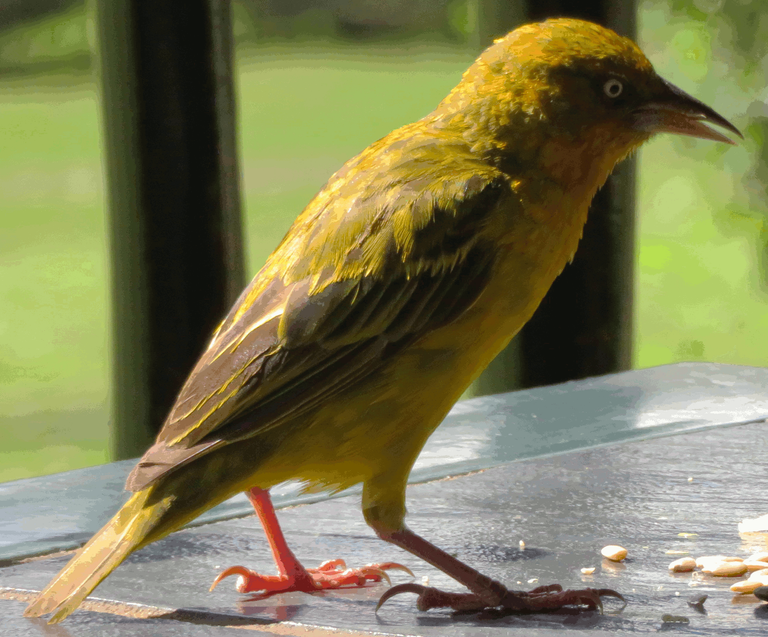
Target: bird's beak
(674, 111)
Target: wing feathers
(301, 341)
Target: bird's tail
(136, 524)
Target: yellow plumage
(404, 277)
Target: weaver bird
(402, 279)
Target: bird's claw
(351, 577)
(329, 566)
(542, 599)
(243, 572)
(429, 598)
(371, 572)
(375, 574)
(393, 566)
(609, 592)
(410, 587)
(330, 574)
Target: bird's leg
(292, 576)
(485, 592)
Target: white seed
(522, 545)
(760, 556)
(728, 569)
(708, 567)
(755, 525)
(588, 571)
(701, 561)
(614, 553)
(761, 574)
(754, 565)
(746, 586)
(683, 565)
(705, 560)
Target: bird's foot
(541, 599)
(330, 574)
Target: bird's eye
(613, 88)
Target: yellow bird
(402, 279)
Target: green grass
(697, 292)
(53, 286)
(303, 112)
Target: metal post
(173, 197)
(584, 325)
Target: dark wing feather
(298, 341)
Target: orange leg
(292, 576)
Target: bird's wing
(304, 331)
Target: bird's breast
(380, 425)
(539, 242)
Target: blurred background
(317, 81)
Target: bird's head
(566, 91)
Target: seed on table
(728, 569)
(761, 574)
(683, 565)
(706, 560)
(614, 552)
(755, 565)
(588, 571)
(701, 562)
(760, 556)
(755, 525)
(745, 587)
(707, 565)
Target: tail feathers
(129, 529)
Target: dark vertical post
(173, 197)
(584, 325)
(494, 19)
